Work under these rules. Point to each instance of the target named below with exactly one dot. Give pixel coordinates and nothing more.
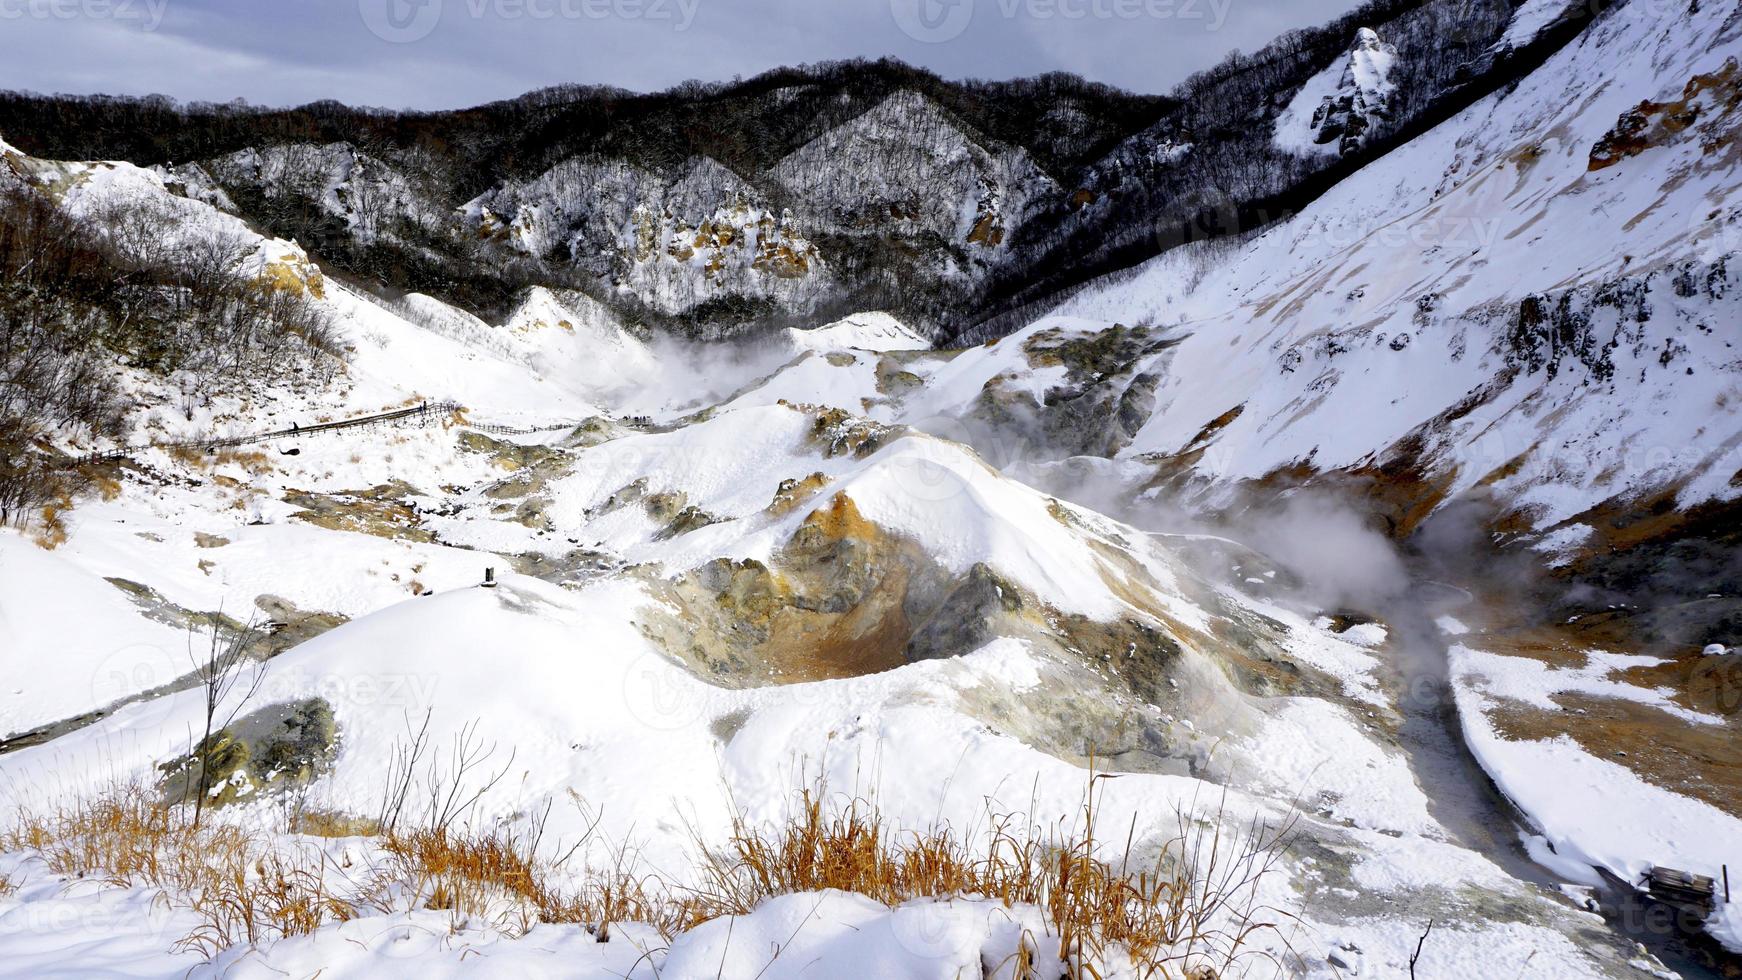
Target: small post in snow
(489, 577)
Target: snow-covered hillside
(1374, 551)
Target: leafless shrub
(222, 677)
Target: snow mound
(1561, 786)
(574, 336)
(874, 331)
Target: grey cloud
(450, 53)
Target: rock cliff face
(1335, 111)
(904, 178)
(674, 242)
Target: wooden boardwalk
(422, 414)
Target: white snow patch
(1588, 808)
(873, 331)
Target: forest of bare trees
(82, 299)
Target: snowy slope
(723, 575)
(1404, 303)
(863, 331)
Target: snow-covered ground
(639, 471)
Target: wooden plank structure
(1682, 889)
(422, 414)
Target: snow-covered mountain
(1405, 521)
(816, 192)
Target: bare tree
(223, 677)
(447, 792)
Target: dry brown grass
(253, 461)
(1199, 904)
(243, 887)
(50, 531)
(1193, 904)
(332, 823)
(500, 877)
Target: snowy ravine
(1152, 534)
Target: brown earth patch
(1214, 426)
(840, 433)
(1403, 489)
(794, 492)
(378, 510)
(1650, 124)
(1700, 761)
(832, 604)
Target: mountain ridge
(1123, 169)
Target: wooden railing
(421, 414)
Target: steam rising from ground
(1332, 546)
(692, 375)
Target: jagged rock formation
(1363, 94)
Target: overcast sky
(449, 53)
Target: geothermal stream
(1463, 798)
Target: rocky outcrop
(1362, 98)
(676, 240)
(1105, 397)
(1596, 326)
(1706, 110)
(269, 750)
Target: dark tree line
(747, 125)
(1234, 179)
